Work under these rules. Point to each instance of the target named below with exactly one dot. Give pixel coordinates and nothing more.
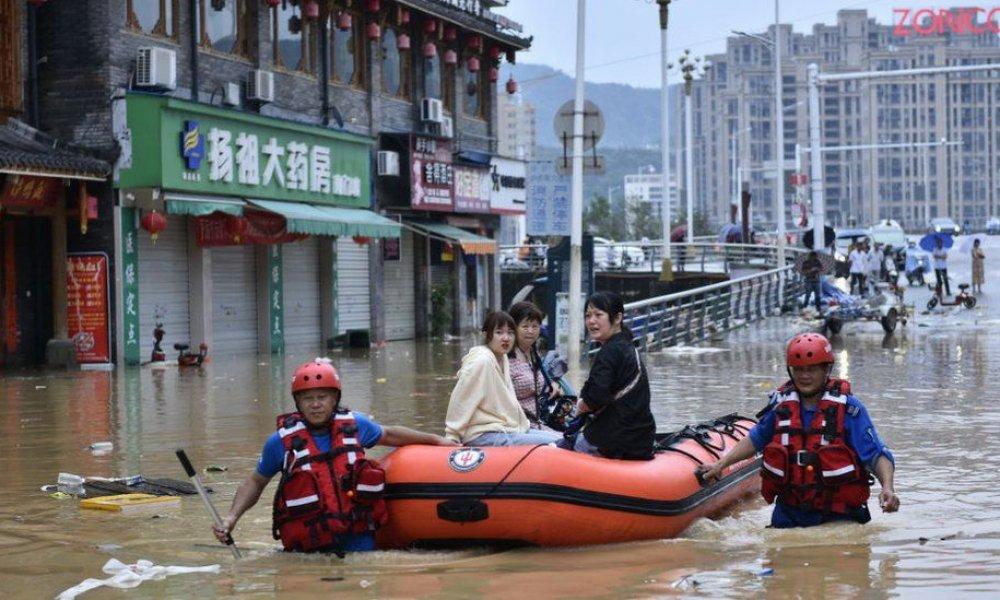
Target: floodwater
(926, 387)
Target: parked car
(842, 245)
(993, 226)
(609, 254)
(943, 225)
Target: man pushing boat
(329, 498)
(818, 443)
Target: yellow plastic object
(128, 503)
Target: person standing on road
(322, 434)
(875, 259)
(818, 444)
(813, 271)
(858, 259)
(978, 267)
(940, 255)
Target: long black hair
(612, 304)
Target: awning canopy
(470, 242)
(330, 220)
(199, 206)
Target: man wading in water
(818, 444)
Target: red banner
(254, 227)
(87, 304)
(27, 192)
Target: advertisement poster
(87, 302)
(472, 189)
(432, 176)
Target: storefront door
(234, 300)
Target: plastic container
(68, 483)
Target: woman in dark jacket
(617, 390)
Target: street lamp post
(779, 138)
(664, 134)
(690, 66)
(575, 307)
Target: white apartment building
(515, 127)
(648, 187)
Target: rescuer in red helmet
(329, 496)
(818, 443)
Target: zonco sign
(929, 21)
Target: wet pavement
(928, 389)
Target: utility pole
(573, 340)
(779, 137)
(689, 67)
(664, 138)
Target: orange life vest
(811, 464)
(324, 496)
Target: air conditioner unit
(431, 110)
(231, 94)
(447, 127)
(260, 86)
(388, 163)
(156, 68)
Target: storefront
(54, 283)
(253, 215)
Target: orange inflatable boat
(546, 496)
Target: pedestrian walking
(875, 260)
(858, 259)
(813, 271)
(940, 255)
(978, 267)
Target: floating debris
(216, 469)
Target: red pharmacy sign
(87, 302)
(930, 21)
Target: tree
(700, 222)
(601, 219)
(644, 223)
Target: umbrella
(968, 240)
(929, 241)
(828, 234)
(728, 232)
(678, 234)
(825, 259)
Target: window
(155, 17)
(226, 23)
(473, 84)
(294, 39)
(395, 65)
(432, 75)
(348, 47)
(448, 87)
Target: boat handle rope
(511, 470)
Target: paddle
(193, 475)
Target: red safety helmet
(808, 349)
(316, 374)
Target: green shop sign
(184, 146)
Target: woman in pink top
(525, 363)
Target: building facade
(256, 200)
(648, 188)
(733, 120)
(516, 127)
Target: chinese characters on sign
(130, 287)
(276, 300)
(548, 200)
(25, 191)
(432, 176)
(508, 189)
(87, 304)
(472, 189)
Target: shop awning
(470, 242)
(199, 206)
(330, 220)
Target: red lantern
(402, 15)
(430, 50)
(511, 85)
(273, 3)
(475, 42)
(361, 240)
(430, 26)
(450, 57)
(450, 33)
(237, 227)
(311, 9)
(154, 223)
(373, 31)
(403, 42)
(344, 21)
(494, 74)
(472, 64)
(373, 5)
(495, 52)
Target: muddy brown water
(930, 389)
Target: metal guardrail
(639, 257)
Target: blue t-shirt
(272, 459)
(861, 436)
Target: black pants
(858, 278)
(942, 280)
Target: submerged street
(925, 387)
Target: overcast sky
(623, 36)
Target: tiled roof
(23, 148)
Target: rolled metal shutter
(301, 275)
(234, 300)
(399, 296)
(353, 293)
(164, 288)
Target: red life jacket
(812, 464)
(324, 496)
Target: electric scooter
(963, 298)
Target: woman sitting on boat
(526, 371)
(483, 410)
(616, 394)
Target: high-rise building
(647, 187)
(733, 117)
(515, 127)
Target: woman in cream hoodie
(483, 410)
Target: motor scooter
(962, 298)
